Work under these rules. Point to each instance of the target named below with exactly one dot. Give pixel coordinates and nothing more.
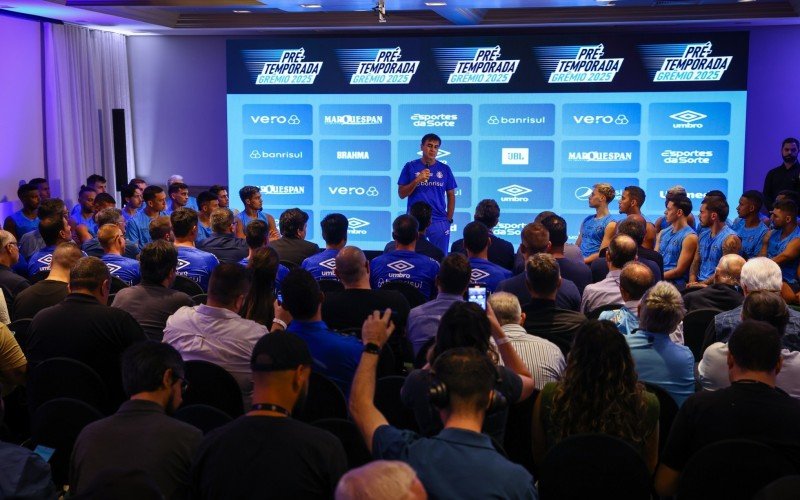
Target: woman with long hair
(258, 304)
(600, 393)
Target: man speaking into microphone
(429, 180)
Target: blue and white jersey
(670, 248)
(710, 249)
(487, 273)
(322, 265)
(752, 237)
(433, 190)
(776, 245)
(592, 232)
(279, 276)
(123, 268)
(24, 224)
(40, 261)
(128, 216)
(403, 265)
(88, 221)
(203, 232)
(137, 229)
(196, 265)
(244, 220)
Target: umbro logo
(478, 275)
(46, 259)
(400, 266)
(330, 264)
(515, 190)
(355, 223)
(113, 268)
(182, 263)
(688, 116)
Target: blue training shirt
(487, 273)
(137, 229)
(123, 268)
(196, 265)
(245, 220)
(776, 245)
(752, 237)
(670, 248)
(203, 232)
(40, 261)
(710, 248)
(404, 265)
(321, 265)
(433, 190)
(24, 224)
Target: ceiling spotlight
(380, 8)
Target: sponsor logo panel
(460, 219)
(355, 119)
(352, 190)
(517, 119)
(365, 225)
(687, 156)
(516, 156)
(355, 155)
(271, 154)
(518, 192)
(575, 191)
(693, 118)
(455, 154)
(510, 226)
(283, 190)
(463, 192)
(600, 156)
(277, 119)
(444, 119)
(696, 189)
(593, 119)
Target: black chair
(694, 329)
(187, 286)
(200, 298)
(421, 359)
(325, 400)
(212, 385)
(8, 296)
(328, 286)
(39, 276)
(66, 378)
(595, 313)
(387, 400)
(204, 417)
(785, 488)
(593, 466)
(20, 329)
(518, 436)
(348, 434)
(732, 469)
(668, 409)
(56, 424)
(111, 297)
(117, 284)
(409, 291)
(288, 264)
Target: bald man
(725, 293)
(621, 250)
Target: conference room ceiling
(253, 17)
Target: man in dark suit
(501, 252)
(223, 243)
(292, 246)
(725, 293)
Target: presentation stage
(533, 122)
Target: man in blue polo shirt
(207, 202)
(460, 461)
(782, 244)
(112, 240)
(253, 205)
(431, 181)
(476, 243)
(404, 264)
(26, 219)
(137, 229)
(177, 197)
(54, 230)
(193, 263)
(713, 242)
(334, 232)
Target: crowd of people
(593, 332)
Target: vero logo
(400, 266)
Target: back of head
(108, 216)
(633, 226)
(205, 197)
(378, 480)
(144, 364)
(228, 282)
(293, 221)
(661, 309)
(221, 221)
(258, 303)
(279, 351)
(174, 178)
(730, 268)
(635, 279)
(334, 228)
(104, 200)
(787, 206)
(301, 294)
(176, 186)
(788, 194)
(599, 354)
(557, 228)
(464, 324)
(542, 274)
(768, 307)
(476, 237)
(621, 250)
(52, 207)
(156, 261)
(606, 190)
(256, 233)
(487, 212)
(674, 191)
(107, 234)
(535, 237)
(469, 375)
(405, 229)
(51, 229)
(65, 256)
(506, 308)
(128, 191)
(88, 274)
(422, 212)
(94, 179)
(183, 220)
(350, 265)
(761, 273)
(160, 228)
(682, 203)
(454, 274)
(755, 346)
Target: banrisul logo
(693, 62)
(475, 65)
(578, 63)
(283, 66)
(377, 66)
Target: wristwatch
(372, 348)
(450, 221)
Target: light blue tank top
(670, 248)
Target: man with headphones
(458, 462)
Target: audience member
(748, 225)
(501, 252)
(476, 244)
(630, 204)
(292, 245)
(423, 212)
(253, 203)
(161, 229)
(215, 332)
(222, 243)
(31, 242)
(724, 293)
(53, 289)
(84, 216)
(712, 244)
(635, 279)
(141, 435)
(621, 250)
(600, 393)
(633, 226)
(259, 303)
(782, 243)
(266, 452)
(381, 480)
(54, 230)
(541, 357)
(25, 219)
(556, 235)
(404, 264)
(132, 201)
(206, 203)
(11, 282)
(660, 361)
(195, 264)
(86, 232)
(678, 242)
(112, 240)
(153, 301)
(92, 247)
(13, 363)
(137, 228)
(334, 232)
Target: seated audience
(13, 363)
(621, 250)
(751, 408)
(132, 201)
(452, 283)
(25, 219)
(54, 230)
(112, 240)
(31, 242)
(718, 240)
(635, 279)
(153, 301)
(206, 203)
(633, 226)
(335, 355)
(92, 247)
(748, 225)
(600, 393)
(259, 303)
(141, 435)
(334, 232)
(404, 264)
(266, 452)
(381, 480)
(215, 332)
(10, 281)
(724, 293)
(541, 357)
(222, 243)
(677, 243)
(460, 461)
(292, 245)
(253, 203)
(83, 327)
(84, 216)
(476, 243)
(53, 289)
(660, 361)
(257, 236)
(195, 264)
(137, 228)
(543, 317)
(556, 235)
(161, 229)
(501, 252)
(466, 325)
(423, 213)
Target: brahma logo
(477, 275)
(400, 266)
(182, 263)
(113, 268)
(514, 192)
(329, 264)
(583, 193)
(355, 226)
(687, 119)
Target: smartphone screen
(44, 452)
(477, 294)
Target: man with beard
(266, 452)
(785, 175)
(142, 434)
(782, 244)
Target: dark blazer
(501, 252)
(544, 319)
(717, 296)
(567, 297)
(226, 247)
(600, 269)
(294, 249)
